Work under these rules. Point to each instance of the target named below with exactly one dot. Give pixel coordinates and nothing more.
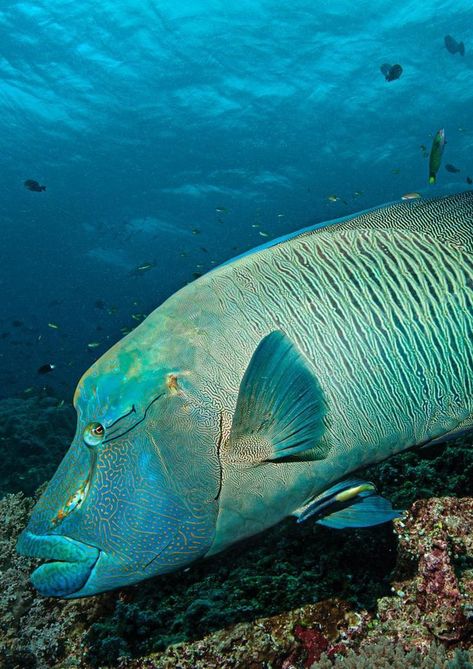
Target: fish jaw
(72, 563)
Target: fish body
(391, 72)
(451, 168)
(411, 196)
(436, 153)
(453, 46)
(45, 369)
(254, 392)
(31, 184)
(142, 268)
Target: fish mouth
(70, 563)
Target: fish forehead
(134, 370)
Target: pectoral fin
(280, 407)
(352, 503)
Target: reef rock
(433, 586)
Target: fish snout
(70, 563)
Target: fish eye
(94, 434)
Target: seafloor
(296, 597)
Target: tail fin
(461, 48)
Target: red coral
(314, 643)
(438, 593)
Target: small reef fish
(469, 180)
(391, 72)
(335, 198)
(436, 153)
(451, 168)
(31, 184)
(425, 153)
(93, 344)
(453, 46)
(53, 326)
(45, 369)
(411, 196)
(231, 408)
(142, 268)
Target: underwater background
(171, 136)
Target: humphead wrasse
(256, 392)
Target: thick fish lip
(70, 562)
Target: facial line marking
(132, 410)
(115, 436)
(162, 550)
(219, 446)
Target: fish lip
(69, 563)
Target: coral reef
(386, 655)
(436, 554)
(35, 432)
(432, 471)
(35, 632)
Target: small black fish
(45, 369)
(453, 46)
(391, 72)
(469, 180)
(33, 185)
(451, 168)
(17, 324)
(99, 304)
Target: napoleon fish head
(128, 501)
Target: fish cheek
(185, 435)
(130, 514)
(152, 506)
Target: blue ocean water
(183, 133)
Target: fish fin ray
(280, 407)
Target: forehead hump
(124, 377)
